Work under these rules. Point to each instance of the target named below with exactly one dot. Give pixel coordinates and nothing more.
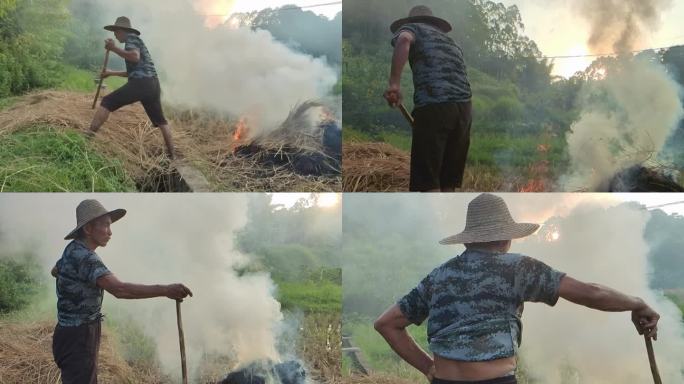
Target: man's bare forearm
(119, 73)
(132, 55)
(403, 344)
(598, 297)
(139, 291)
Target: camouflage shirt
(474, 303)
(439, 70)
(144, 68)
(79, 299)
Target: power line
(665, 205)
(297, 7)
(608, 54)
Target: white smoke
(571, 344)
(207, 65)
(167, 239)
(626, 120)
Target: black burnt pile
(643, 179)
(305, 148)
(268, 372)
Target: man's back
(439, 70)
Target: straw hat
(89, 210)
(122, 23)
(488, 219)
(422, 14)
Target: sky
(559, 32)
(328, 10)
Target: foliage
(46, 159)
(311, 297)
(32, 35)
(663, 234)
(20, 282)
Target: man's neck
(90, 244)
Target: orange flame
(240, 133)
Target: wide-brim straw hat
(488, 219)
(122, 23)
(421, 14)
(89, 210)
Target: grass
(46, 159)
(311, 297)
(377, 352)
(81, 80)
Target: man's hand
(110, 44)
(177, 291)
(646, 321)
(431, 374)
(393, 95)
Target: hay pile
(375, 167)
(296, 147)
(26, 357)
(201, 139)
(640, 178)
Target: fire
(535, 185)
(215, 12)
(240, 133)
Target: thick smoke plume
(167, 239)
(626, 120)
(619, 25)
(571, 344)
(205, 64)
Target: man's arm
(392, 326)
(54, 272)
(606, 299)
(132, 55)
(402, 46)
(107, 74)
(121, 290)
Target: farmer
(473, 303)
(442, 99)
(142, 85)
(81, 278)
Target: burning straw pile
(375, 167)
(26, 357)
(298, 150)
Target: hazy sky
(328, 10)
(559, 32)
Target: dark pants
(147, 91)
(500, 380)
(439, 150)
(75, 351)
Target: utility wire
(665, 205)
(291, 8)
(609, 54)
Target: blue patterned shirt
(474, 302)
(439, 70)
(79, 299)
(144, 68)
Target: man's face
(120, 35)
(99, 231)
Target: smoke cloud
(204, 64)
(626, 119)
(570, 344)
(167, 239)
(618, 25)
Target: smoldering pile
(268, 372)
(375, 167)
(298, 145)
(640, 178)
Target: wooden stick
(181, 337)
(407, 115)
(652, 360)
(99, 85)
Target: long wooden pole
(99, 85)
(407, 115)
(652, 360)
(181, 337)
